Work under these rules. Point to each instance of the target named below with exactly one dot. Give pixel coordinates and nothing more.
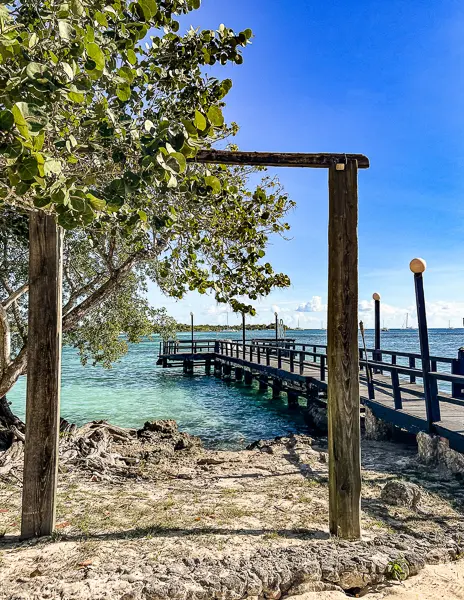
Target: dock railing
(404, 369)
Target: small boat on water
(450, 326)
(227, 330)
(384, 328)
(406, 324)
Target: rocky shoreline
(150, 515)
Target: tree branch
(13, 371)
(72, 318)
(15, 295)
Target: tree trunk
(9, 425)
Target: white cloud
(217, 309)
(314, 305)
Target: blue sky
(385, 79)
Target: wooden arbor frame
(44, 349)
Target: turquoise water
(223, 414)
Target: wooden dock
(395, 393)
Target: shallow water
(223, 414)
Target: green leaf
(52, 166)
(67, 220)
(214, 183)
(200, 121)
(215, 116)
(142, 215)
(33, 40)
(95, 202)
(65, 30)
(127, 74)
(77, 202)
(149, 125)
(123, 92)
(20, 120)
(180, 158)
(6, 120)
(95, 53)
(41, 201)
(76, 97)
(28, 168)
(131, 56)
(36, 70)
(172, 183)
(60, 196)
(68, 70)
(101, 19)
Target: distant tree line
(249, 327)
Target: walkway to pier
(391, 383)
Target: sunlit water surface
(225, 415)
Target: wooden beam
(278, 159)
(43, 376)
(342, 354)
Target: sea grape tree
(103, 107)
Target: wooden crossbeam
(319, 160)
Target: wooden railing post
(342, 353)
(396, 390)
(191, 330)
(322, 368)
(378, 356)
(432, 405)
(43, 376)
(292, 361)
(412, 365)
(457, 368)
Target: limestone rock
(401, 493)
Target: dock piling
(248, 378)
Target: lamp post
(191, 328)
(243, 335)
(376, 298)
(276, 327)
(432, 406)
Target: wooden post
(43, 376)
(276, 388)
(263, 383)
(292, 397)
(243, 335)
(432, 405)
(457, 368)
(191, 332)
(248, 378)
(378, 356)
(342, 353)
(276, 327)
(238, 373)
(217, 368)
(376, 298)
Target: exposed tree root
(105, 451)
